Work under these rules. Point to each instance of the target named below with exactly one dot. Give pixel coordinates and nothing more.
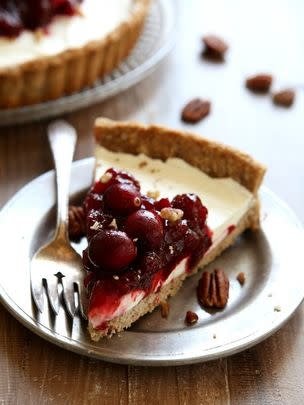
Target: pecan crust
(77, 223)
(213, 289)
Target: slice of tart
(164, 204)
(49, 48)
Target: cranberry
(114, 176)
(112, 250)
(162, 203)
(181, 238)
(127, 178)
(147, 202)
(10, 23)
(65, 7)
(122, 199)
(97, 220)
(150, 264)
(38, 13)
(192, 207)
(147, 226)
(99, 187)
(93, 201)
(87, 264)
(202, 247)
(17, 15)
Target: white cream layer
(227, 201)
(99, 17)
(128, 301)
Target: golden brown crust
(215, 159)
(50, 77)
(149, 303)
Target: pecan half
(196, 110)
(213, 289)
(260, 83)
(284, 98)
(191, 318)
(215, 46)
(77, 224)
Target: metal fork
(57, 262)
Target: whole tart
(164, 203)
(68, 53)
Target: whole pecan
(77, 223)
(215, 45)
(284, 98)
(260, 83)
(213, 289)
(196, 110)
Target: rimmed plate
(154, 44)
(271, 260)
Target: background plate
(155, 42)
(272, 260)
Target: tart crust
(213, 158)
(51, 77)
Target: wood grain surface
(263, 37)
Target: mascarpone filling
(226, 200)
(98, 18)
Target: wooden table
(264, 36)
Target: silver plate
(154, 44)
(272, 260)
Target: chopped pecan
(77, 223)
(241, 278)
(191, 318)
(260, 83)
(164, 309)
(213, 289)
(106, 177)
(215, 46)
(171, 214)
(284, 98)
(196, 110)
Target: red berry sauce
(230, 229)
(19, 15)
(132, 249)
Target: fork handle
(62, 139)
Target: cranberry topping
(112, 250)
(141, 253)
(122, 199)
(147, 226)
(230, 229)
(192, 207)
(162, 203)
(93, 201)
(96, 221)
(19, 15)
